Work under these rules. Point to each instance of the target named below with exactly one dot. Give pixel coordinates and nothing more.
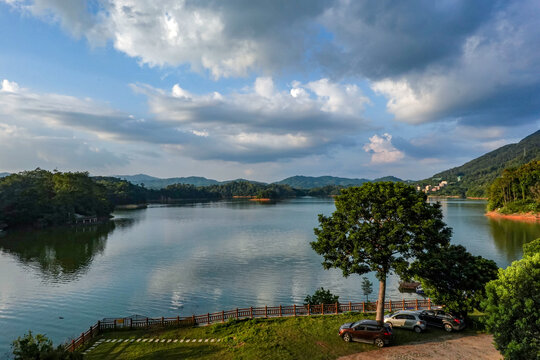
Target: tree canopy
(513, 307)
(454, 277)
(380, 227)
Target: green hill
(309, 182)
(151, 182)
(473, 178)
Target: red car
(368, 331)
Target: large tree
(380, 227)
(513, 307)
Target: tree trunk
(380, 303)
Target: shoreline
(529, 217)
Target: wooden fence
(242, 313)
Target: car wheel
(417, 329)
(448, 327)
(379, 342)
(347, 337)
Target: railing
(243, 313)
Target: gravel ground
(479, 347)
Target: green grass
(284, 338)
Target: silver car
(406, 319)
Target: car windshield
(356, 323)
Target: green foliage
(379, 227)
(454, 277)
(39, 347)
(513, 308)
(367, 287)
(321, 296)
(531, 248)
(42, 198)
(517, 190)
(122, 192)
(478, 174)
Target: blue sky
(264, 89)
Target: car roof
(413, 312)
(368, 322)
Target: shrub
(321, 296)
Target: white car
(406, 319)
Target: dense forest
(43, 198)
(474, 177)
(517, 190)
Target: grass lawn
(282, 338)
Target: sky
(264, 89)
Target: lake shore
(529, 217)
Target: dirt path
(478, 347)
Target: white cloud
(382, 150)
(9, 86)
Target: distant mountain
(473, 178)
(151, 182)
(310, 182)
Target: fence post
(265, 311)
(130, 323)
(251, 312)
(114, 324)
(280, 310)
(308, 310)
(363, 306)
(82, 335)
(147, 322)
(322, 309)
(72, 345)
(99, 327)
(193, 319)
(91, 333)
(162, 321)
(429, 303)
(222, 315)
(177, 320)
(337, 307)
(236, 313)
(208, 318)
(403, 301)
(350, 307)
(390, 302)
(294, 308)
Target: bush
(513, 307)
(321, 296)
(39, 347)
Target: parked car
(406, 319)
(368, 331)
(420, 290)
(442, 319)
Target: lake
(196, 258)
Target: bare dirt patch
(478, 347)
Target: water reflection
(59, 254)
(509, 236)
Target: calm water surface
(196, 258)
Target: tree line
(516, 190)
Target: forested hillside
(517, 190)
(311, 182)
(474, 178)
